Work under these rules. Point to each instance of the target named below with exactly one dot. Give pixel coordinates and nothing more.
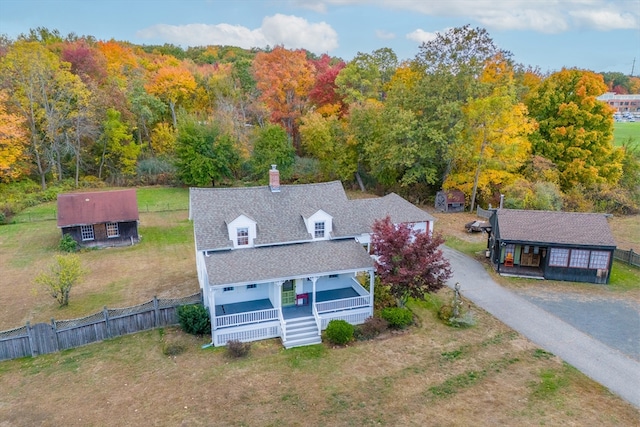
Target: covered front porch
(269, 316)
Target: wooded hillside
(76, 111)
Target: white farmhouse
(282, 261)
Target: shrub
(67, 244)
(371, 328)
(339, 332)
(238, 349)
(194, 319)
(398, 317)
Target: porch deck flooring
(289, 311)
(520, 271)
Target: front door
(288, 293)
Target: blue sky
(600, 35)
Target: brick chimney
(274, 179)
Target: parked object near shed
(100, 218)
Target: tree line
(460, 115)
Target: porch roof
(264, 264)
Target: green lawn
(622, 131)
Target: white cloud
(421, 36)
(551, 16)
(203, 34)
(385, 35)
(605, 20)
(295, 32)
(290, 31)
(315, 5)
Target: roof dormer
(319, 225)
(242, 232)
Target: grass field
(429, 375)
(625, 130)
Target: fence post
(55, 333)
(30, 336)
(105, 312)
(630, 255)
(156, 310)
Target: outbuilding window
(87, 232)
(112, 229)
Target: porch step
(301, 331)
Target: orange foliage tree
(284, 78)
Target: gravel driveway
(612, 321)
(603, 363)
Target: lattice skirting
(247, 334)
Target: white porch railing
(283, 326)
(317, 317)
(343, 304)
(246, 317)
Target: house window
(227, 289)
(243, 236)
(333, 276)
(558, 257)
(599, 259)
(319, 230)
(112, 229)
(87, 232)
(252, 286)
(579, 258)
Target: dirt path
(611, 368)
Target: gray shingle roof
(572, 228)
(280, 262)
(279, 216)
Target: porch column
(278, 303)
(211, 300)
(372, 281)
(313, 293)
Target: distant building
(100, 218)
(622, 103)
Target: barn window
(112, 229)
(599, 259)
(558, 257)
(87, 232)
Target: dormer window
(319, 224)
(242, 232)
(243, 236)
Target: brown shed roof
(97, 207)
(572, 228)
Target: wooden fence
(44, 338)
(484, 213)
(629, 257)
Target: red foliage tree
(408, 260)
(324, 88)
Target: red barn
(100, 218)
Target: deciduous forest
(76, 112)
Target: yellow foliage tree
(495, 138)
(13, 143)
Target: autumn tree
(575, 129)
(13, 143)
(408, 260)
(118, 152)
(46, 94)
(174, 85)
(449, 66)
(63, 274)
(495, 141)
(366, 75)
(324, 93)
(284, 78)
(205, 155)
